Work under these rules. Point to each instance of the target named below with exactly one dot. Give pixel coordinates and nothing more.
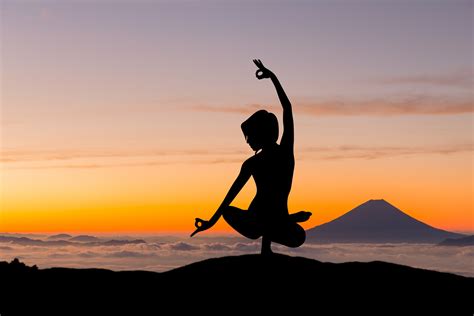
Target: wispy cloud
(389, 106)
(462, 78)
(182, 246)
(54, 155)
(18, 155)
(97, 166)
(75, 159)
(126, 254)
(241, 109)
(368, 152)
(395, 106)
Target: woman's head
(260, 129)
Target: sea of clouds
(162, 253)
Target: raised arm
(238, 184)
(288, 137)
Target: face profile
(253, 142)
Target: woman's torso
(272, 170)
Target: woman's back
(272, 170)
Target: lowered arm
(238, 184)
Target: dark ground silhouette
(251, 284)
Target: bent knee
(298, 238)
(240, 221)
(230, 213)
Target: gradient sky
(125, 115)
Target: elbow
(286, 104)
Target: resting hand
(262, 72)
(201, 225)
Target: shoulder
(250, 163)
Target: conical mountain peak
(377, 221)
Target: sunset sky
(124, 116)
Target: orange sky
(167, 197)
(127, 117)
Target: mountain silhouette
(84, 238)
(377, 221)
(115, 242)
(80, 241)
(461, 242)
(250, 283)
(59, 236)
(25, 241)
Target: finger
(256, 63)
(198, 229)
(195, 232)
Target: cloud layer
(162, 254)
(462, 78)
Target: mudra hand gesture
(201, 225)
(262, 72)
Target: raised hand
(201, 225)
(262, 72)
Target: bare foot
(300, 216)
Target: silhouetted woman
(272, 168)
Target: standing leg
(266, 245)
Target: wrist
(213, 220)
